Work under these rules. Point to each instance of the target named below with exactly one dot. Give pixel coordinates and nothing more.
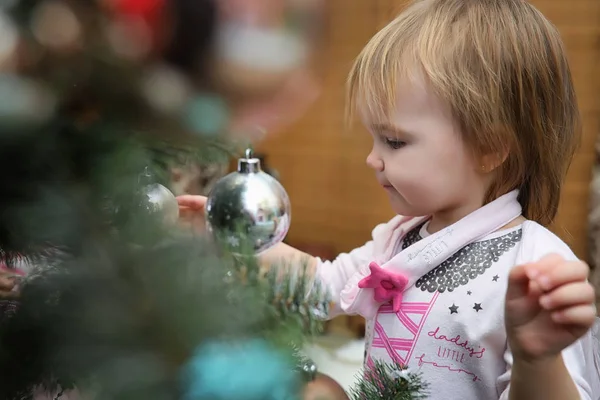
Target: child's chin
(401, 208)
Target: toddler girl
(474, 122)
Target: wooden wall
(336, 200)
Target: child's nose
(374, 161)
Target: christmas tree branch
(390, 382)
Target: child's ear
(491, 161)
(495, 152)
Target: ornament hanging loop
(249, 164)
(145, 178)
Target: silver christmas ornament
(157, 199)
(248, 207)
(160, 200)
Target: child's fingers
(187, 213)
(572, 294)
(544, 264)
(580, 315)
(518, 283)
(192, 219)
(551, 276)
(192, 202)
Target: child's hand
(191, 211)
(549, 305)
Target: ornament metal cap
(310, 369)
(250, 164)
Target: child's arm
(566, 376)
(333, 274)
(283, 254)
(547, 379)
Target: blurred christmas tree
(98, 99)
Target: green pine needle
(389, 382)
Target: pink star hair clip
(387, 285)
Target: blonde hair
(501, 67)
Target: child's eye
(394, 143)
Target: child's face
(420, 159)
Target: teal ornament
(207, 115)
(243, 371)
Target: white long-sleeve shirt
(450, 326)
